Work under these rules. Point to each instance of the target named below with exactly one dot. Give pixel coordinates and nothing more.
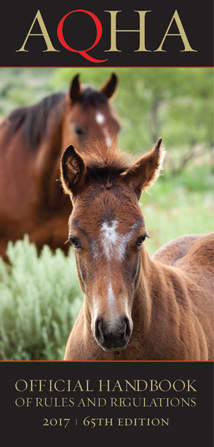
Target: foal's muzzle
(113, 336)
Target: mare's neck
(47, 161)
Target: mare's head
(107, 231)
(89, 116)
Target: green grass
(165, 223)
(39, 301)
(178, 206)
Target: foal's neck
(142, 304)
(154, 307)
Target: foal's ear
(110, 86)
(75, 89)
(73, 171)
(146, 170)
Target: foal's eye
(141, 239)
(75, 242)
(79, 131)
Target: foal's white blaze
(114, 244)
(111, 300)
(99, 118)
(112, 307)
(109, 237)
(110, 296)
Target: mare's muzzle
(113, 336)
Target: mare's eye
(75, 242)
(79, 131)
(141, 239)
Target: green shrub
(39, 300)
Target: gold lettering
(141, 31)
(44, 33)
(23, 388)
(117, 385)
(181, 33)
(78, 385)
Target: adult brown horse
(135, 307)
(32, 140)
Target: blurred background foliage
(175, 103)
(40, 295)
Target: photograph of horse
(136, 307)
(32, 140)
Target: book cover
(106, 211)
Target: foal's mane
(33, 119)
(104, 164)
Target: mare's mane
(32, 120)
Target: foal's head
(89, 116)
(107, 231)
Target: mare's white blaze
(108, 138)
(99, 118)
(108, 141)
(114, 244)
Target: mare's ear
(110, 86)
(73, 171)
(146, 170)
(75, 89)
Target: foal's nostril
(113, 337)
(99, 330)
(127, 330)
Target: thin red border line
(105, 361)
(114, 66)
